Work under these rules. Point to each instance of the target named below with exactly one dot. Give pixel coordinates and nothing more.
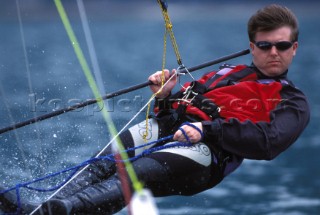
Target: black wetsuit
(190, 170)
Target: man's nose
(274, 50)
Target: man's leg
(103, 169)
(101, 198)
(180, 170)
(97, 171)
(174, 171)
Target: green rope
(137, 185)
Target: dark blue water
(39, 73)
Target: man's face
(273, 62)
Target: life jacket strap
(193, 95)
(206, 105)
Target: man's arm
(262, 140)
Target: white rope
(91, 47)
(110, 142)
(30, 92)
(98, 77)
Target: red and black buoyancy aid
(232, 92)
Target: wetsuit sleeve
(262, 140)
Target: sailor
(239, 112)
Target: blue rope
(110, 157)
(193, 126)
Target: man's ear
(295, 47)
(252, 46)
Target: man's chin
(274, 71)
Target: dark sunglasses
(281, 46)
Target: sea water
(39, 73)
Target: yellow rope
(146, 133)
(168, 30)
(168, 26)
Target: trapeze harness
(234, 92)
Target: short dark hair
(270, 18)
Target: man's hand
(191, 132)
(157, 82)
